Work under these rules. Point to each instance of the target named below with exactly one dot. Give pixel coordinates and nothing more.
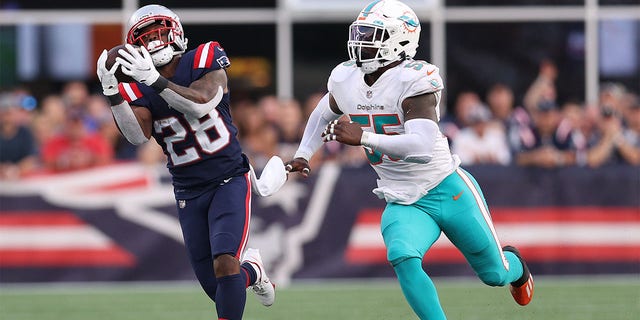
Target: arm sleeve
(318, 120)
(128, 123)
(188, 107)
(415, 145)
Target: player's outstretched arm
(195, 101)
(129, 123)
(325, 111)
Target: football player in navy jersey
(181, 98)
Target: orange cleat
(521, 289)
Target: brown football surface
(112, 54)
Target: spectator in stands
(581, 121)
(18, 149)
(549, 147)
(258, 137)
(500, 101)
(290, 124)
(543, 87)
(262, 145)
(75, 95)
(616, 143)
(613, 98)
(269, 105)
(50, 119)
(515, 120)
(451, 124)
(76, 147)
(628, 144)
(483, 141)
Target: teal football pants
(457, 208)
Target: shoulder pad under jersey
(424, 76)
(343, 71)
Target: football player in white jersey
(391, 102)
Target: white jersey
(378, 108)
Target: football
(112, 54)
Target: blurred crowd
(542, 131)
(74, 129)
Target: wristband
(160, 84)
(369, 139)
(115, 99)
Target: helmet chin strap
(369, 67)
(373, 66)
(162, 56)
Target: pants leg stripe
(485, 212)
(247, 220)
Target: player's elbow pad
(188, 107)
(415, 145)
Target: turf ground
(555, 298)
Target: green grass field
(555, 298)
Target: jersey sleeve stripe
(204, 55)
(210, 53)
(196, 59)
(129, 91)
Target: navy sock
(231, 297)
(249, 272)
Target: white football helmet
(384, 32)
(161, 52)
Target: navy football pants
(215, 223)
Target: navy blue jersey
(200, 152)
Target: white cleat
(263, 288)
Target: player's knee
(225, 265)
(493, 279)
(399, 250)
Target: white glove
(272, 178)
(138, 66)
(107, 77)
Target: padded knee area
(399, 250)
(493, 279)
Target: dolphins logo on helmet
(385, 31)
(161, 51)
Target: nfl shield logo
(369, 94)
(182, 204)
